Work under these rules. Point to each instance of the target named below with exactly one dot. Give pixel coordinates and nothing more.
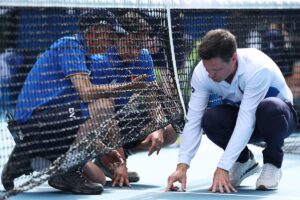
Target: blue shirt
(48, 83)
(110, 68)
(102, 71)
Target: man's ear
(87, 33)
(234, 56)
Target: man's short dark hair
(101, 17)
(217, 43)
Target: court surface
(155, 170)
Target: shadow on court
(134, 186)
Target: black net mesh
(77, 83)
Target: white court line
(161, 191)
(274, 197)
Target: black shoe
(132, 176)
(73, 181)
(14, 168)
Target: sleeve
(255, 91)
(101, 69)
(71, 58)
(144, 65)
(191, 135)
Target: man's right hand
(180, 176)
(139, 82)
(113, 159)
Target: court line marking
(273, 197)
(242, 195)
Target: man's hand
(113, 159)
(116, 162)
(155, 140)
(120, 176)
(221, 182)
(120, 170)
(180, 176)
(139, 82)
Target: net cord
(173, 4)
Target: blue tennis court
(155, 170)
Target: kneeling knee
(94, 173)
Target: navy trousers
(275, 120)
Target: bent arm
(89, 91)
(192, 133)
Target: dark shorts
(50, 131)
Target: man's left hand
(221, 182)
(121, 176)
(155, 140)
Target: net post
(174, 61)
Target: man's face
(130, 45)
(153, 44)
(100, 39)
(219, 70)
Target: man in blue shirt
(110, 68)
(122, 64)
(58, 102)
